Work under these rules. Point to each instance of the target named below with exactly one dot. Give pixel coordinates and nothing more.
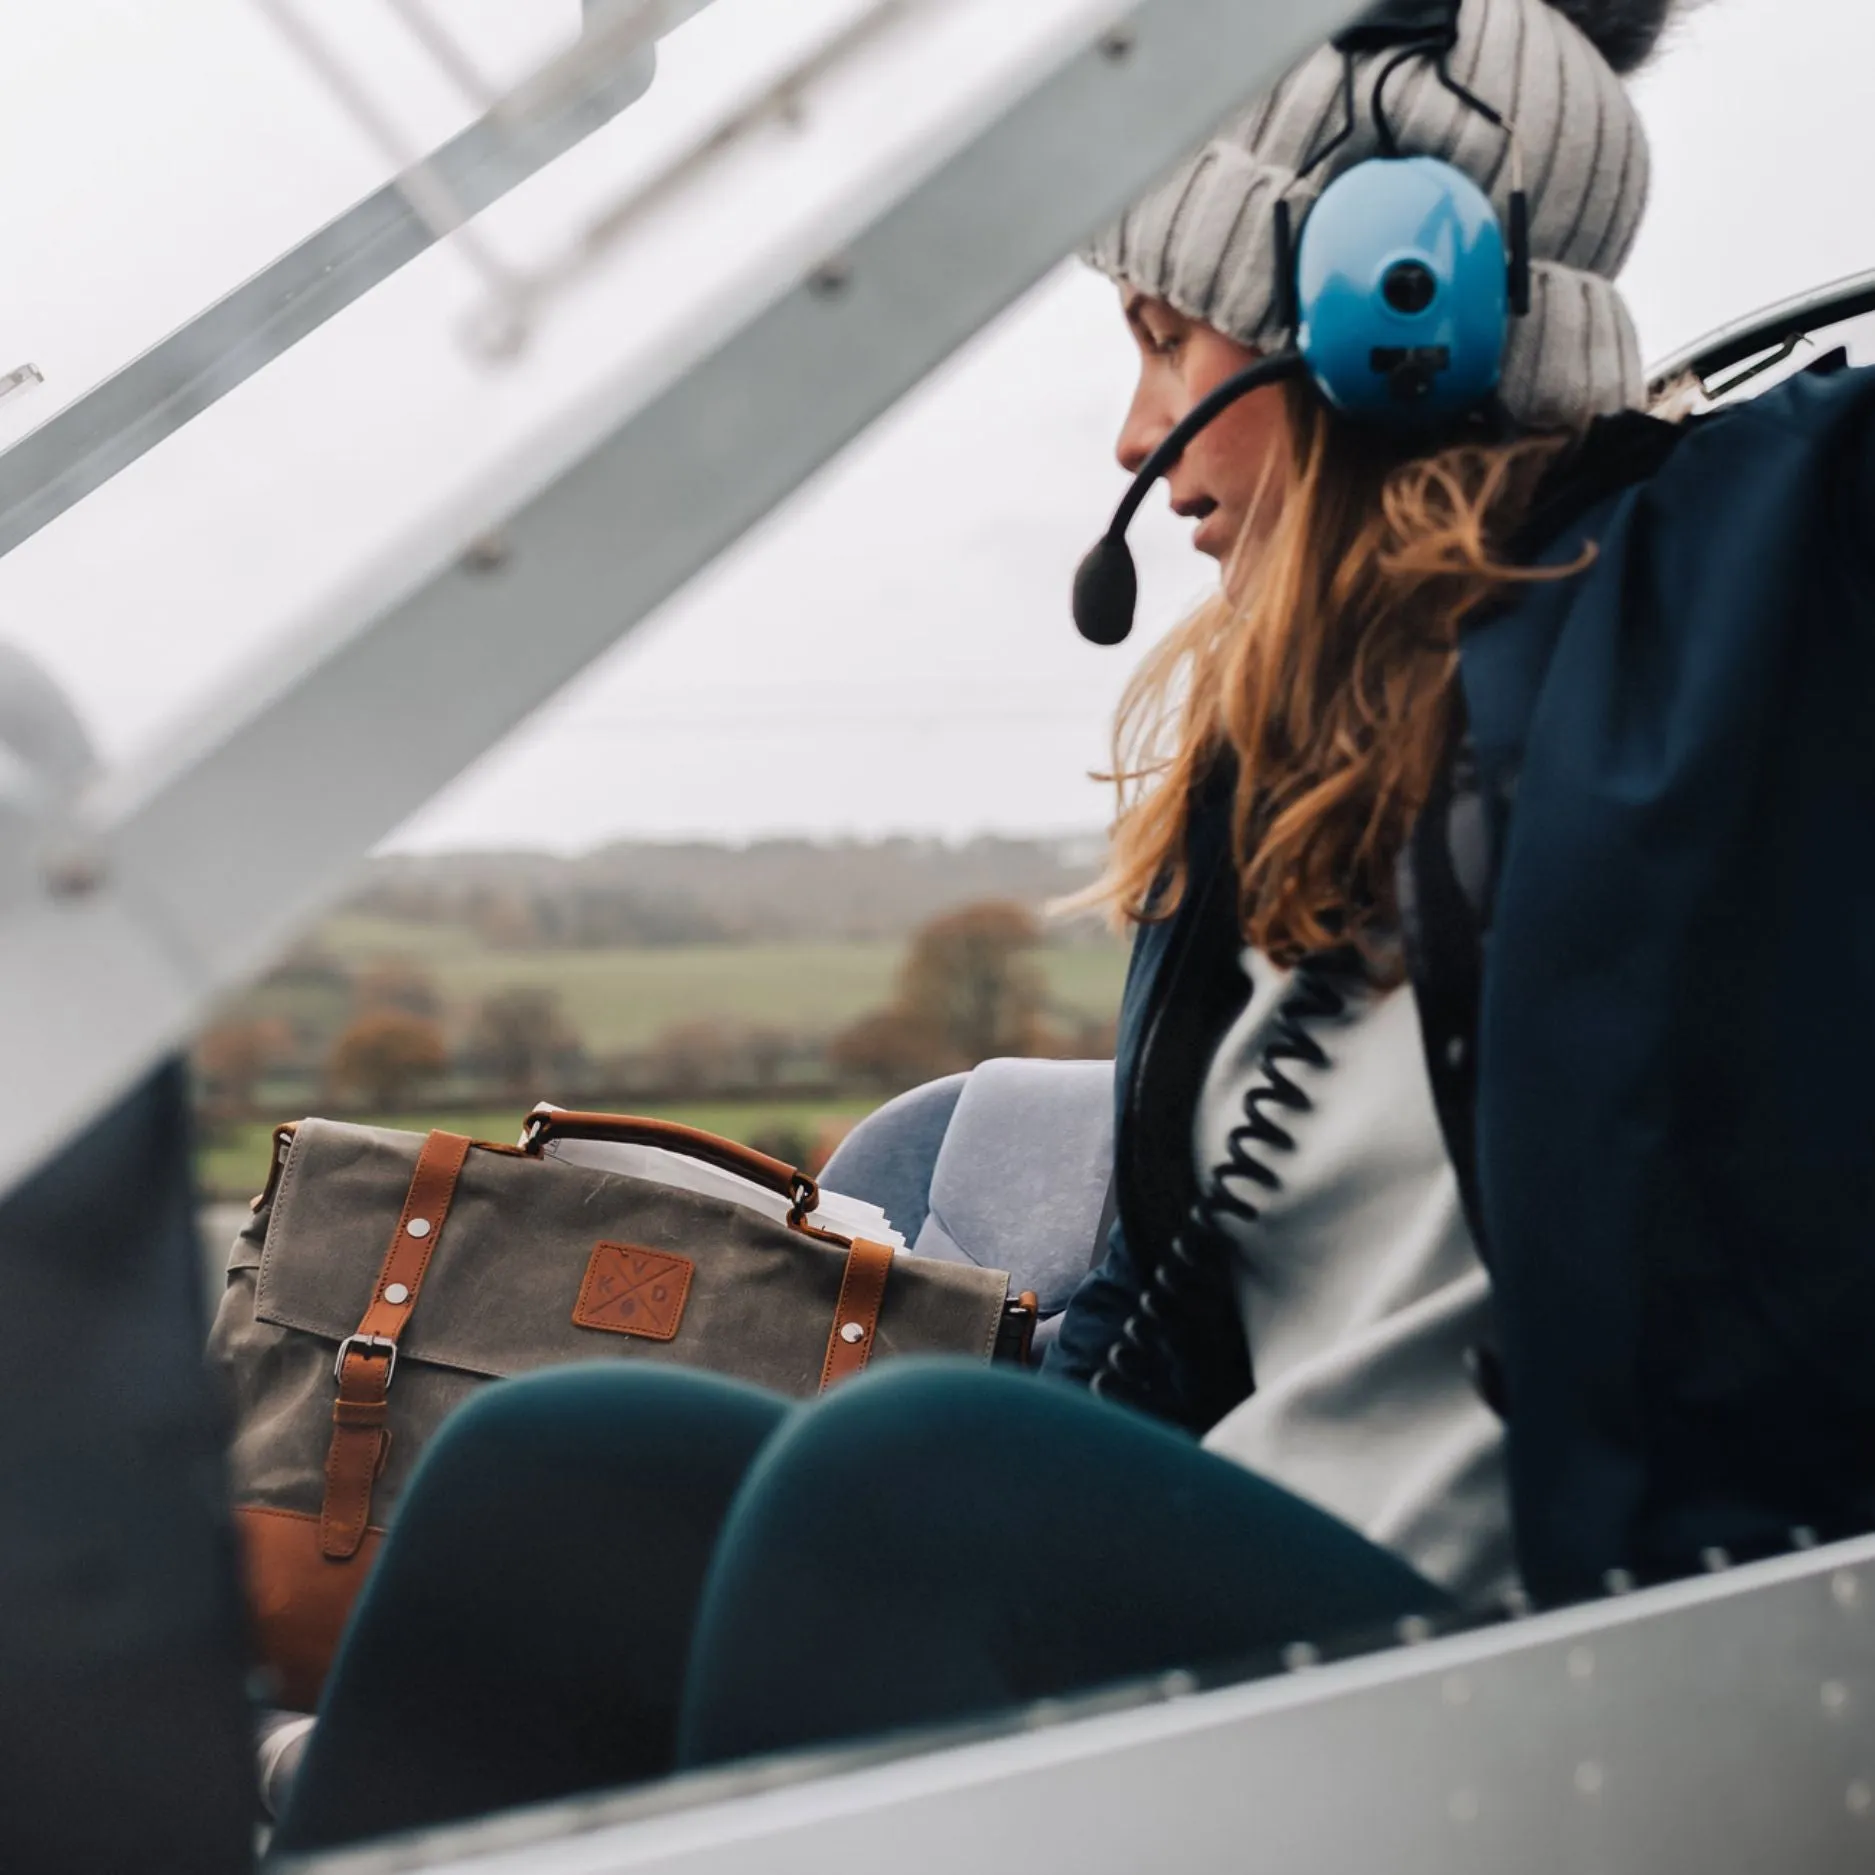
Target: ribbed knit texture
(1204, 239)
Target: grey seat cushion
(887, 1158)
(1006, 1167)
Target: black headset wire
(1377, 103)
(1518, 233)
(1211, 406)
(1193, 1274)
(1106, 584)
(1349, 112)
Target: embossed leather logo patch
(629, 1291)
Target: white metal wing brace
(149, 399)
(1719, 1726)
(176, 882)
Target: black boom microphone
(1106, 586)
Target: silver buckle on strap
(362, 1342)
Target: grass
(620, 1000)
(234, 1165)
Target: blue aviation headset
(1399, 292)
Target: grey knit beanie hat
(1204, 240)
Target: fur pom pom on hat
(1204, 239)
(1624, 32)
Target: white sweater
(1361, 1292)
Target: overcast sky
(892, 652)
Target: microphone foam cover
(1105, 590)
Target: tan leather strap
(862, 1289)
(368, 1357)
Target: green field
(616, 1000)
(235, 1165)
(619, 1001)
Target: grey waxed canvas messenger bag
(387, 1275)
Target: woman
(1642, 1100)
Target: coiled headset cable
(1192, 1280)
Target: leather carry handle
(726, 1155)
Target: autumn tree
(970, 977)
(397, 983)
(969, 989)
(890, 1048)
(232, 1055)
(792, 1145)
(767, 1051)
(521, 1036)
(384, 1054)
(702, 1055)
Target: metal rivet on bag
(396, 1293)
(418, 1227)
(852, 1331)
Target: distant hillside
(767, 982)
(643, 893)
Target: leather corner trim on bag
(282, 1145)
(298, 1598)
(367, 1358)
(633, 1291)
(862, 1290)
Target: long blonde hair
(1328, 678)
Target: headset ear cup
(1402, 283)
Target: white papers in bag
(848, 1217)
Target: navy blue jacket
(1641, 928)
